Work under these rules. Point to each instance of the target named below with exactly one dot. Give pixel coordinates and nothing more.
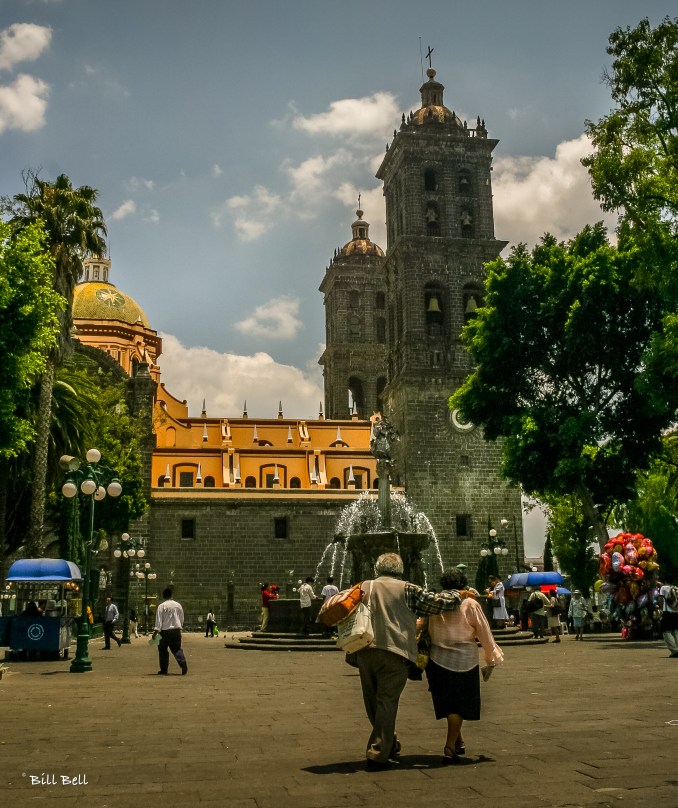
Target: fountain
(366, 528)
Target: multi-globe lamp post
(491, 550)
(129, 548)
(493, 545)
(144, 572)
(94, 482)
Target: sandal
(460, 748)
(450, 757)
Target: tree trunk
(34, 540)
(593, 515)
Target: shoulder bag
(341, 605)
(355, 631)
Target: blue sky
(229, 141)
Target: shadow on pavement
(407, 762)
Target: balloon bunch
(628, 566)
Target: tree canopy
(570, 537)
(563, 372)
(29, 319)
(74, 228)
(654, 508)
(635, 166)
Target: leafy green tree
(571, 539)
(75, 409)
(561, 374)
(119, 436)
(75, 228)
(654, 510)
(635, 166)
(29, 310)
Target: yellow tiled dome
(94, 300)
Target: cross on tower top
(428, 55)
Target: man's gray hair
(389, 564)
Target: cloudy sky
(229, 142)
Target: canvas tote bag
(355, 631)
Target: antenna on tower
(421, 61)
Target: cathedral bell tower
(440, 226)
(354, 360)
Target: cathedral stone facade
(440, 230)
(236, 501)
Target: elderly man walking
(169, 619)
(394, 605)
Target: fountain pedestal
(284, 616)
(365, 548)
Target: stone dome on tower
(432, 108)
(360, 244)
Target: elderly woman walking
(453, 669)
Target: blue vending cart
(47, 631)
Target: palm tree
(75, 228)
(76, 411)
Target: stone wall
(235, 550)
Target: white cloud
(152, 216)
(217, 171)
(534, 195)
(139, 183)
(360, 125)
(372, 203)
(23, 104)
(311, 175)
(276, 319)
(127, 208)
(227, 380)
(257, 213)
(22, 42)
(353, 117)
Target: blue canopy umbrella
(43, 570)
(520, 580)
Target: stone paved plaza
(576, 724)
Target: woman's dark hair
(264, 586)
(453, 579)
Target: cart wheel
(65, 653)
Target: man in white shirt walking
(169, 619)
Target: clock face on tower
(111, 298)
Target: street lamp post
(89, 480)
(144, 573)
(129, 548)
(494, 546)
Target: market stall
(46, 605)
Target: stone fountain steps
(281, 641)
(285, 641)
(515, 636)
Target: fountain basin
(365, 548)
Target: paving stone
(259, 729)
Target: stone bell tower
(440, 225)
(354, 360)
